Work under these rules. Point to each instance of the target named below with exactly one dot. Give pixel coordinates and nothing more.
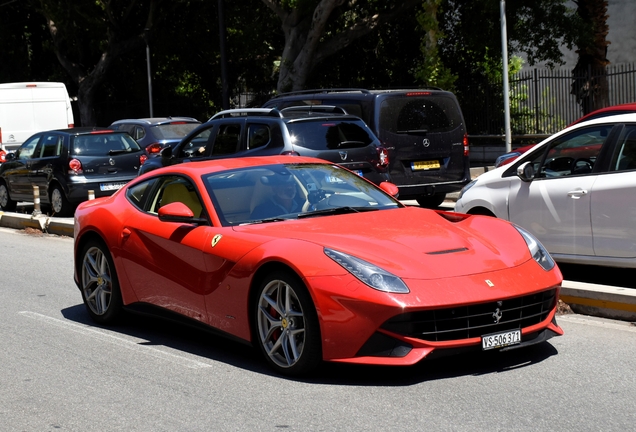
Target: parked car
(573, 191)
(350, 275)
(325, 132)
(423, 130)
(65, 164)
(154, 134)
(507, 158)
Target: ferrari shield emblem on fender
(489, 283)
(216, 239)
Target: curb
(583, 298)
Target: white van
(30, 107)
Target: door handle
(576, 194)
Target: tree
(316, 29)
(590, 75)
(89, 36)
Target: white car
(575, 191)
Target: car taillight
(466, 146)
(75, 167)
(383, 158)
(142, 159)
(153, 148)
(3, 156)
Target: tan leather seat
(177, 192)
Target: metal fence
(544, 101)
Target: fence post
(536, 101)
(36, 201)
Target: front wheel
(286, 325)
(99, 283)
(6, 203)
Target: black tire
(59, 203)
(99, 283)
(432, 201)
(6, 203)
(286, 327)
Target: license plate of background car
(424, 165)
(110, 186)
(500, 340)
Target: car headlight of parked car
(368, 273)
(538, 252)
(465, 188)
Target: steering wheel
(586, 166)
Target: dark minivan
(66, 164)
(423, 130)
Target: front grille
(474, 320)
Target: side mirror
(9, 156)
(525, 172)
(166, 152)
(178, 212)
(390, 188)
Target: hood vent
(448, 251)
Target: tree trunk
(590, 74)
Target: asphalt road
(62, 372)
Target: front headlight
(538, 252)
(465, 188)
(368, 273)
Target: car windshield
(103, 144)
(330, 134)
(173, 130)
(279, 192)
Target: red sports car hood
(410, 242)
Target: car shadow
(156, 331)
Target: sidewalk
(583, 298)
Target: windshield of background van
(321, 135)
(406, 115)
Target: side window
(51, 146)
(197, 144)
(572, 154)
(176, 189)
(257, 136)
(227, 139)
(139, 133)
(138, 194)
(625, 157)
(28, 149)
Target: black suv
(153, 134)
(423, 130)
(65, 164)
(325, 132)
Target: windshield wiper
(336, 211)
(112, 152)
(260, 221)
(415, 131)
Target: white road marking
(598, 322)
(128, 344)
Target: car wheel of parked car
(59, 203)
(6, 203)
(99, 283)
(432, 201)
(286, 325)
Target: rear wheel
(59, 204)
(286, 325)
(99, 283)
(6, 203)
(431, 201)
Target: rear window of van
(403, 115)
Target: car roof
(356, 92)
(627, 107)
(157, 120)
(85, 131)
(198, 168)
(289, 113)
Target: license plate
(499, 340)
(424, 165)
(111, 186)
